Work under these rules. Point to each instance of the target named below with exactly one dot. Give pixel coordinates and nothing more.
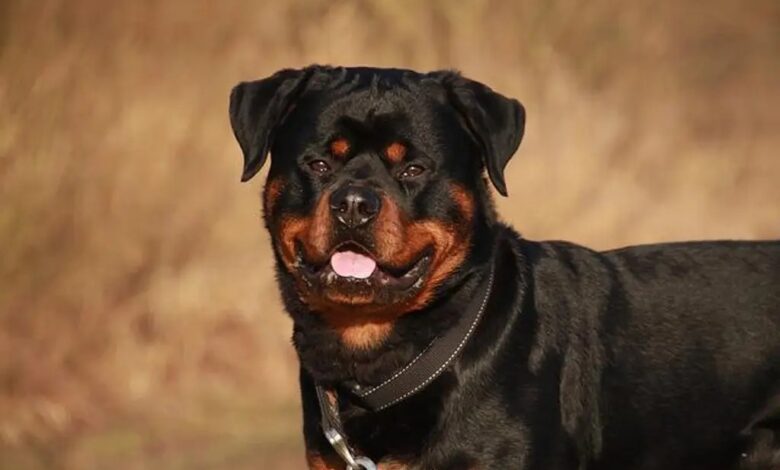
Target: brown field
(139, 323)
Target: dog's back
(691, 338)
(678, 342)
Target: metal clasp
(364, 463)
(339, 444)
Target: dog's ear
(256, 111)
(495, 121)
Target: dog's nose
(354, 206)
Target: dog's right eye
(319, 166)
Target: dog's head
(375, 193)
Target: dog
(433, 336)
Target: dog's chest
(461, 433)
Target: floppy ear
(256, 111)
(496, 122)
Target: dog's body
(649, 357)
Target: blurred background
(139, 323)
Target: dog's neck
(329, 361)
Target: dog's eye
(319, 166)
(412, 171)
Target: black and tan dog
(492, 351)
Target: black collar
(430, 363)
(409, 380)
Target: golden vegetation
(139, 323)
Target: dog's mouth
(352, 275)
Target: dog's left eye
(319, 166)
(411, 171)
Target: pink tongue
(351, 264)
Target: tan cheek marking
(291, 229)
(320, 231)
(389, 230)
(463, 199)
(339, 147)
(395, 152)
(273, 190)
(313, 232)
(400, 242)
(450, 252)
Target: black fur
(650, 357)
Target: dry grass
(139, 323)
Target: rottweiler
(433, 336)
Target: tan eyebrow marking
(395, 152)
(339, 147)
